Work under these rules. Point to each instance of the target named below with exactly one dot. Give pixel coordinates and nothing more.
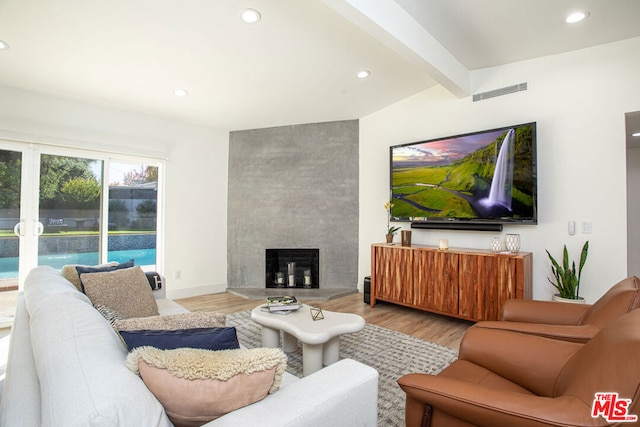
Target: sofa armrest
(487, 406)
(547, 312)
(344, 393)
(167, 306)
(21, 400)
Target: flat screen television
(486, 176)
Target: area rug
(391, 353)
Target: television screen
(481, 176)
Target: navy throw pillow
(203, 338)
(84, 270)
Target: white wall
(579, 101)
(196, 190)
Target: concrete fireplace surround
(294, 187)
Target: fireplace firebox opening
(292, 268)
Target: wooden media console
(470, 284)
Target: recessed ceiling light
(250, 16)
(180, 92)
(574, 17)
(363, 74)
(3, 45)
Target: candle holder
(512, 242)
(279, 279)
(291, 273)
(307, 279)
(496, 245)
(444, 245)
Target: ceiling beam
(394, 27)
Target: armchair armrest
(344, 393)
(580, 334)
(487, 407)
(530, 361)
(546, 312)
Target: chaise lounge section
(66, 367)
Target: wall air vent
(499, 92)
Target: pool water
(9, 266)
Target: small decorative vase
(389, 238)
(406, 237)
(496, 245)
(512, 242)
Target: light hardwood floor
(443, 330)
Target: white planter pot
(558, 298)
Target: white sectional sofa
(66, 367)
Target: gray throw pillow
(125, 291)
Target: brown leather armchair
(506, 378)
(570, 322)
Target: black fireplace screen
(292, 268)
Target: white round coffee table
(320, 338)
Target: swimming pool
(9, 266)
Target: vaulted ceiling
(298, 64)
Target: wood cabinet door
(486, 282)
(393, 268)
(435, 280)
(507, 283)
(477, 286)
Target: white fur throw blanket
(190, 364)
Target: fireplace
(292, 268)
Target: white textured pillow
(196, 386)
(125, 291)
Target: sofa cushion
(197, 319)
(71, 274)
(196, 386)
(81, 269)
(125, 291)
(205, 338)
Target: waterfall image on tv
(481, 176)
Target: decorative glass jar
(496, 245)
(512, 242)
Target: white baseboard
(195, 291)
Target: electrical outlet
(177, 274)
(586, 227)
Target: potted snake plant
(567, 279)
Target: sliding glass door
(10, 225)
(133, 212)
(61, 207)
(69, 210)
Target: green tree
(146, 207)
(10, 165)
(55, 171)
(81, 193)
